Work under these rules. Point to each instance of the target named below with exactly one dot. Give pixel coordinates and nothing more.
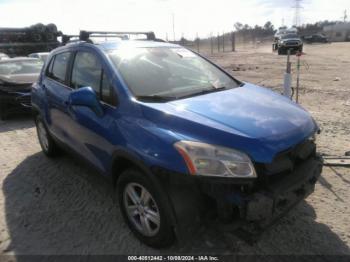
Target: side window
(107, 94)
(49, 67)
(87, 71)
(58, 69)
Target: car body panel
(254, 120)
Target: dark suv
(181, 140)
(290, 42)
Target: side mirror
(86, 96)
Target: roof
(110, 45)
(133, 43)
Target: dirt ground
(61, 207)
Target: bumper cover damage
(237, 205)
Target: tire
(132, 183)
(48, 145)
(52, 28)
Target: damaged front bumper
(232, 202)
(13, 102)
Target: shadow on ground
(60, 207)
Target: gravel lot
(61, 207)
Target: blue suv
(181, 140)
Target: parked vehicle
(317, 38)
(181, 140)
(281, 32)
(3, 56)
(16, 78)
(42, 56)
(290, 42)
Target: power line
(297, 14)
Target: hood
(252, 119)
(20, 79)
(253, 111)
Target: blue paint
(248, 118)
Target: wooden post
(223, 42)
(218, 38)
(233, 41)
(197, 40)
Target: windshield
(290, 36)
(168, 72)
(21, 67)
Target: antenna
(297, 6)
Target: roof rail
(85, 35)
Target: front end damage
(14, 99)
(240, 205)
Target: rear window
(58, 67)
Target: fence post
(211, 44)
(218, 38)
(223, 42)
(233, 41)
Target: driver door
(92, 133)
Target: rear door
(57, 92)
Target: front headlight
(210, 160)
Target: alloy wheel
(141, 209)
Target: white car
(42, 56)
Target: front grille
(292, 43)
(285, 162)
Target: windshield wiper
(156, 98)
(205, 91)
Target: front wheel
(144, 209)
(47, 144)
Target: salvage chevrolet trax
(181, 140)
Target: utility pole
(345, 16)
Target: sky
(191, 17)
